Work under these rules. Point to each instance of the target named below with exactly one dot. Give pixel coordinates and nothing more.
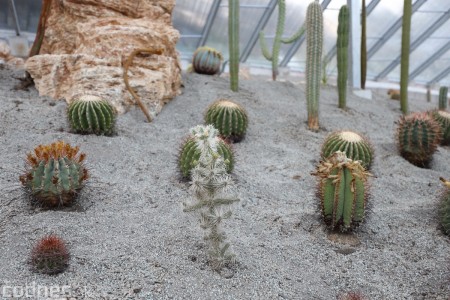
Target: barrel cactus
(418, 136)
(343, 191)
(355, 146)
(229, 118)
(91, 114)
(443, 118)
(50, 255)
(207, 61)
(444, 209)
(55, 174)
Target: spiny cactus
(418, 136)
(342, 191)
(404, 66)
(342, 55)
(444, 209)
(443, 119)
(229, 118)
(207, 61)
(55, 174)
(233, 43)
(49, 255)
(314, 45)
(91, 114)
(443, 91)
(355, 146)
(213, 189)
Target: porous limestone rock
(7, 58)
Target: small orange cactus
(50, 255)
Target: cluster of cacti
(213, 190)
(363, 44)
(278, 39)
(229, 118)
(342, 55)
(444, 209)
(343, 191)
(443, 91)
(404, 66)
(91, 114)
(233, 43)
(442, 117)
(55, 174)
(207, 60)
(49, 255)
(418, 136)
(355, 146)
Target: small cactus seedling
(355, 146)
(342, 191)
(229, 118)
(49, 255)
(444, 210)
(55, 174)
(89, 114)
(207, 61)
(443, 118)
(418, 136)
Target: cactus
(314, 45)
(342, 55)
(207, 61)
(343, 191)
(443, 97)
(49, 255)
(355, 146)
(363, 44)
(442, 117)
(404, 67)
(233, 43)
(444, 209)
(229, 118)
(352, 296)
(55, 174)
(214, 194)
(418, 136)
(91, 114)
(278, 39)
(190, 154)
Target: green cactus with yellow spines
(443, 119)
(207, 60)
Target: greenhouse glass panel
(435, 69)
(27, 12)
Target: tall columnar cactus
(343, 191)
(50, 255)
(314, 45)
(55, 174)
(207, 60)
(418, 136)
(355, 146)
(363, 44)
(213, 189)
(233, 43)
(443, 91)
(404, 68)
(229, 118)
(278, 39)
(444, 209)
(91, 114)
(342, 55)
(443, 119)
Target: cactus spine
(314, 45)
(278, 39)
(363, 45)
(404, 68)
(214, 194)
(207, 61)
(233, 37)
(443, 119)
(343, 191)
(443, 91)
(444, 209)
(50, 255)
(342, 55)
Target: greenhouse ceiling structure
(204, 22)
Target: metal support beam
(209, 21)
(255, 35)
(429, 61)
(16, 19)
(415, 44)
(392, 30)
(440, 76)
(354, 43)
(296, 45)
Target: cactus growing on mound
(418, 136)
(342, 55)
(55, 174)
(443, 91)
(342, 191)
(207, 61)
(91, 114)
(50, 255)
(444, 210)
(355, 146)
(229, 118)
(443, 118)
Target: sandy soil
(129, 238)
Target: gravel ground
(128, 235)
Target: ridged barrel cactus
(207, 60)
(343, 191)
(55, 174)
(50, 255)
(443, 118)
(91, 114)
(444, 210)
(229, 118)
(355, 146)
(418, 136)
(443, 92)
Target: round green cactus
(418, 136)
(55, 174)
(91, 114)
(190, 154)
(207, 61)
(444, 210)
(355, 146)
(229, 118)
(443, 118)
(343, 191)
